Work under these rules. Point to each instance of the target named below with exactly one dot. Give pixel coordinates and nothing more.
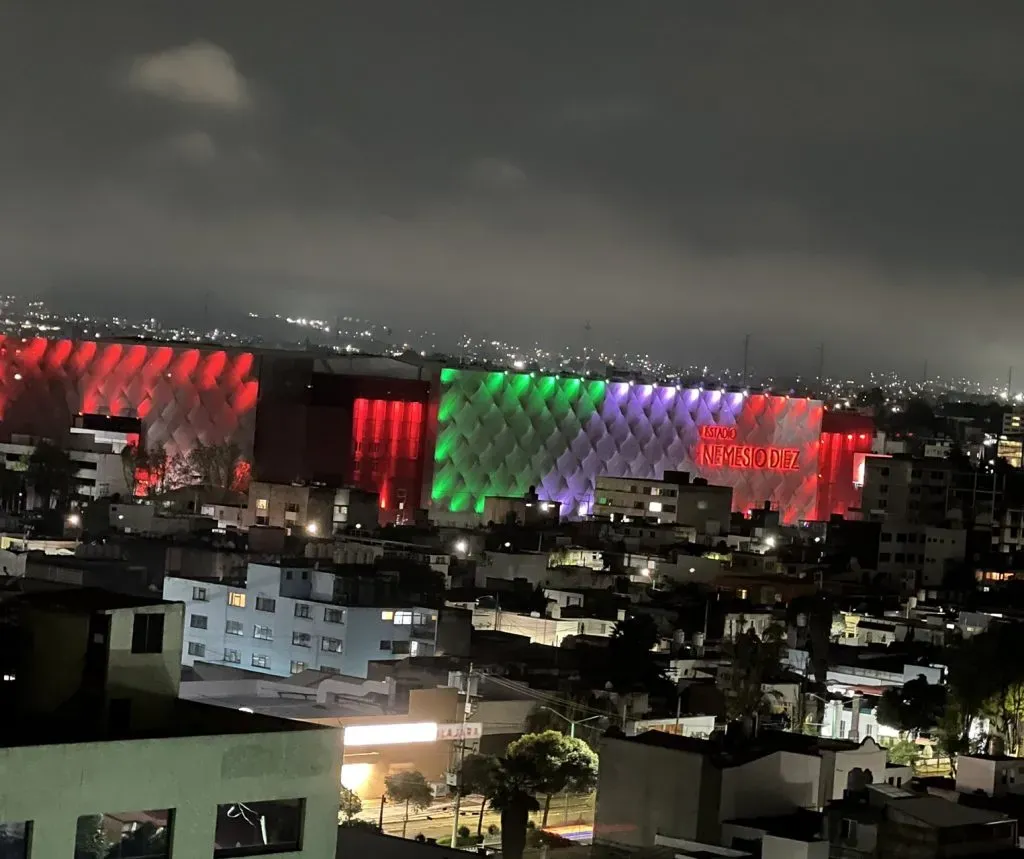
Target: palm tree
(513, 796)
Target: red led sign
(713, 432)
(715, 455)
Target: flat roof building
(97, 751)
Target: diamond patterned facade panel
(181, 395)
(501, 433)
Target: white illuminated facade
(390, 735)
(282, 620)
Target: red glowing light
(714, 432)
(748, 456)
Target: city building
(282, 620)
(881, 820)
(674, 500)
(383, 731)
(906, 489)
(97, 748)
(315, 511)
(914, 556)
(683, 787)
(500, 433)
(411, 431)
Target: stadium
(444, 438)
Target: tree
(817, 610)
(629, 663)
(90, 842)
(408, 787)
(557, 763)
(477, 776)
(349, 803)
(903, 752)
(915, 707)
(755, 660)
(215, 464)
(51, 473)
(513, 797)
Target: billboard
(499, 433)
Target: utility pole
(462, 756)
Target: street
(436, 821)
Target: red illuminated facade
(180, 396)
(845, 438)
(300, 418)
(387, 451)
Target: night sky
(678, 173)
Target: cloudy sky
(678, 173)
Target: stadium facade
(440, 437)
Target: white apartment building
(706, 508)
(283, 620)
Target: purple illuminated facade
(500, 433)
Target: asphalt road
(436, 821)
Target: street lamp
(461, 546)
(572, 722)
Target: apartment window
(265, 604)
(901, 538)
(148, 633)
(298, 667)
(236, 599)
(131, 837)
(302, 639)
(401, 647)
(884, 557)
(234, 627)
(385, 645)
(403, 618)
(233, 656)
(337, 615)
(262, 504)
(16, 838)
(304, 611)
(197, 621)
(196, 649)
(900, 557)
(262, 520)
(263, 633)
(886, 537)
(199, 594)
(848, 829)
(387, 615)
(260, 660)
(329, 669)
(937, 475)
(331, 645)
(291, 507)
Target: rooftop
(727, 753)
(166, 718)
(88, 600)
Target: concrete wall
(644, 791)
(52, 786)
(778, 783)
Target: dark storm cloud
(677, 173)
